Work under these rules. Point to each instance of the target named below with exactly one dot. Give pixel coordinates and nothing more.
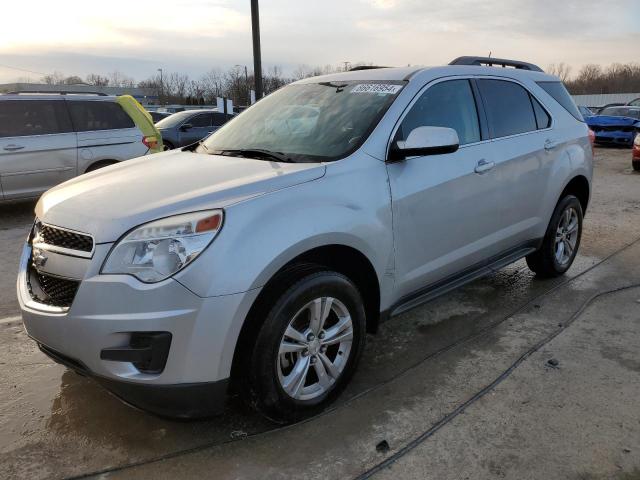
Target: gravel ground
(425, 386)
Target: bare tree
(561, 70)
(97, 80)
(55, 78)
(118, 79)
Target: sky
(136, 37)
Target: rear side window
(542, 117)
(219, 119)
(560, 95)
(508, 106)
(20, 118)
(98, 115)
(446, 104)
(202, 120)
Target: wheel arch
(580, 188)
(103, 162)
(337, 257)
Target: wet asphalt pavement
(421, 386)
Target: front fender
(263, 234)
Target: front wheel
(561, 242)
(308, 347)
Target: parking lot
(462, 387)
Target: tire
(167, 145)
(551, 259)
(101, 164)
(636, 165)
(274, 387)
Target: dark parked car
(615, 125)
(190, 126)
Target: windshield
(174, 119)
(621, 112)
(307, 122)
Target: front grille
(52, 290)
(59, 237)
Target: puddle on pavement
(54, 420)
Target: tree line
(593, 79)
(178, 88)
(237, 82)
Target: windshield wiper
(257, 153)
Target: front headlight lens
(155, 251)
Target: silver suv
(256, 261)
(46, 139)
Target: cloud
(196, 35)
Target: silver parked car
(46, 139)
(257, 260)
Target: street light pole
(161, 86)
(257, 60)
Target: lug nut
(313, 360)
(311, 337)
(305, 353)
(321, 336)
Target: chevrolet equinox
(256, 260)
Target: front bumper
(614, 138)
(108, 309)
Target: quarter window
(98, 115)
(20, 118)
(446, 104)
(543, 120)
(508, 106)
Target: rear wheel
(561, 242)
(167, 145)
(636, 165)
(308, 347)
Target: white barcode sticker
(384, 88)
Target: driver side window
(446, 104)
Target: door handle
(483, 166)
(13, 147)
(550, 144)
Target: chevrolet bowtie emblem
(39, 258)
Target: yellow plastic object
(143, 121)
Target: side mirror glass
(425, 141)
(186, 126)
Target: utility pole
(161, 86)
(257, 60)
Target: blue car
(615, 125)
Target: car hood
(607, 120)
(113, 200)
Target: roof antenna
(489, 53)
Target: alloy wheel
(315, 348)
(566, 236)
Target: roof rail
(502, 62)
(365, 67)
(57, 92)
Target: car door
(38, 147)
(444, 206)
(201, 126)
(525, 150)
(105, 132)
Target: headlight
(155, 251)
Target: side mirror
(185, 127)
(425, 141)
